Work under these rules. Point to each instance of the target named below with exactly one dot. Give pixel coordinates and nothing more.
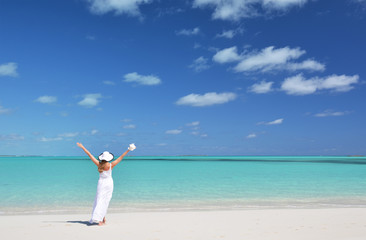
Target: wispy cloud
(161, 144)
(129, 7)
(267, 59)
(298, 85)
(45, 139)
(193, 124)
(46, 99)
(9, 69)
(89, 37)
(110, 83)
(262, 87)
(90, 100)
(94, 131)
(274, 122)
(141, 79)
(69, 135)
(306, 65)
(4, 110)
(226, 34)
(200, 64)
(207, 99)
(129, 126)
(227, 55)
(331, 113)
(230, 33)
(235, 10)
(188, 32)
(64, 114)
(195, 129)
(11, 137)
(174, 131)
(252, 135)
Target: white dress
(104, 195)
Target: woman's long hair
(101, 166)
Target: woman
(105, 182)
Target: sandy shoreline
(271, 224)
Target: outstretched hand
(80, 145)
(132, 147)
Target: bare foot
(104, 221)
(101, 223)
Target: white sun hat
(106, 156)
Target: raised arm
(119, 159)
(95, 161)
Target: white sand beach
(266, 224)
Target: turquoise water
(68, 184)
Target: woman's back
(107, 171)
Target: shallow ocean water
(68, 184)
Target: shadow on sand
(87, 223)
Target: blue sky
(228, 77)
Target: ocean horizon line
(194, 155)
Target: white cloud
(331, 113)
(8, 69)
(142, 80)
(282, 4)
(227, 55)
(173, 131)
(129, 126)
(200, 64)
(46, 99)
(189, 32)
(94, 131)
(341, 83)
(207, 99)
(64, 114)
(196, 45)
(202, 135)
(89, 37)
(274, 122)
(109, 83)
(4, 110)
(161, 144)
(193, 124)
(252, 135)
(230, 33)
(361, 2)
(129, 7)
(44, 139)
(69, 135)
(268, 59)
(298, 85)
(306, 65)
(11, 137)
(234, 10)
(90, 100)
(226, 34)
(262, 87)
